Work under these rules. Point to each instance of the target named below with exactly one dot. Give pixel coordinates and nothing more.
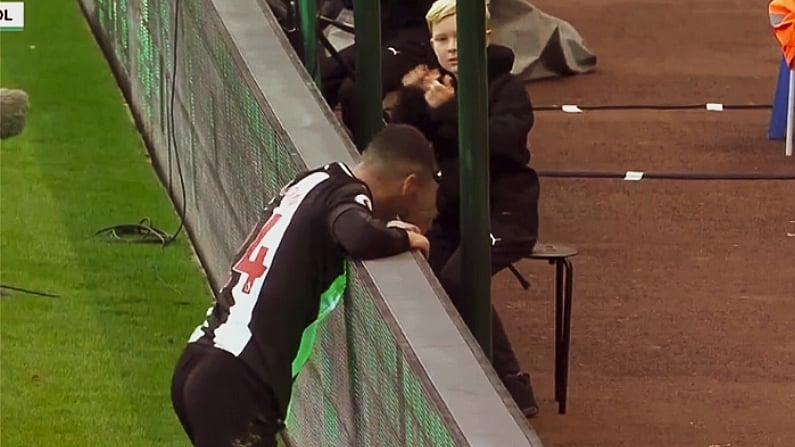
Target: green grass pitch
(93, 366)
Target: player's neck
(381, 204)
(361, 172)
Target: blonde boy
(428, 102)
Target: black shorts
(220, 403)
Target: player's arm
(361, 236)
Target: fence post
(474, 175)
(307, 11)
(369, 119)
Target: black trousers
(219, 401)
(446, 262)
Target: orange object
(782, 19)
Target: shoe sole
(530, 413)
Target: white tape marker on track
(571, 108)
(633, 176)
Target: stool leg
(519, 277)
(566, 342)
(558, 328)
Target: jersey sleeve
(353, 227)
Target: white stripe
(234, 334)
(345, 168)
(198, 332)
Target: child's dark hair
(399, 148)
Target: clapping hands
(437, 92)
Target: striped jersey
(287, 262)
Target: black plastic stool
(558, 255)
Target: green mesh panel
(361, 386)
(377, 398)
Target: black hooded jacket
(514, 185)
(398, 15)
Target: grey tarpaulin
(545, 46)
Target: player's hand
(411, 228)
(439, 93)
(419, 242)
(414, 78)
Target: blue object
(778, 119)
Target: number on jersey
(253, 269)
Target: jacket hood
(499, 60)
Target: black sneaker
(521, 390)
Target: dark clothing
(286, 13)
(514, 185)
(397, 59)
(397, 14)
(405, 44)
(293, 255)
(411, 47)
(220, 402)
(405, 38)
(446, 260)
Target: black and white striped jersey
(290, 258)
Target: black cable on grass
(143, 231)
(4, 287)
(173, 140)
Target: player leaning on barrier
(428, 101)
(233, 383)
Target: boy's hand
(415, 77)
(440, 92)
(430, 77)
(411, 228)
(421, 77)
(419, 242)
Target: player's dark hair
(399, 147)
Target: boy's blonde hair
(442, 9)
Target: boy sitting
(428, 102)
